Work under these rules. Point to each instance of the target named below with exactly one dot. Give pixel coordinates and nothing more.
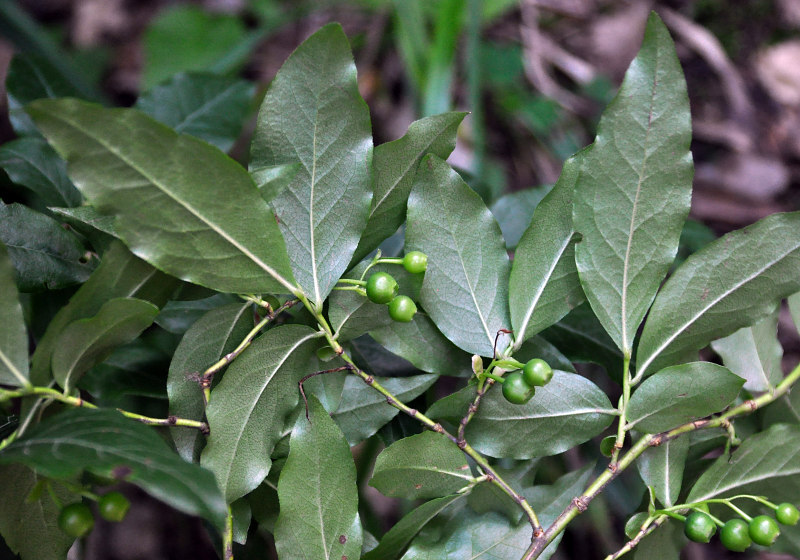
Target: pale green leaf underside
(13, 335)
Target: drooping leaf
(32, 163)
(731, 283)
(635, 187)
(317, 491)
(107, 444)
(465, 285)
(754, 353)
(544, 285)
(426, 465)
(248, 408)
(534, 429)
(363, 410)
(314, 114)
(514, 212)
(215, 334)
(87, 342)
(210, 107)
(44, 255)
(680, 394)
(393, 170)
(661, 468)
(120, 157)
(13, 334)
(767, 463)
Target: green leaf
(215, 334)
(784, 410)
(514, 212)
(272, 180)
(680, 394)
(212, 108)
(635, 188)
(107, 444)
(13, 334)
(32, 163)
(661, 468)
(544, 285)
(363, 410)
(248, 408)
(317, 492)
(664, 544)
(120, 157)
(766, 464)
(44, 255)
(314, 114)
(30, 528)
(754, 354)
(794, 308)
(731, 283)
(86, 219)
(465, 286)
(535, 429)
(178, 316)
(426, 465)
(120, 274)
(538, 347)
(87, 342)
(393, 170)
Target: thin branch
(348, 367)
(634, 542)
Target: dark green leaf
(32, 163)
(794, 308)
(465, 286)
(272, 180)
(635, 188)
(731, 283)
(538, 347)
(487, 496)
(212, 108)
(242, 516)
(661, 468)
(786, 409)
(86, 219)
(680, 394)
(514, 211)
(107, 444)
(317, 491)
(544, 284)
(314, 114)
(248, 408)
(13, 334)
(177, 316)
(664, 544)
(119, 157)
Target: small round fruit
(735, 535)
(113, 506)
(764, 530)
(787, 514)
(515, 390)
(537, 373)
(699, 527)
(381, 287)
(402, 309)
(415, 262)
(76, 520)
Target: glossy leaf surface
(13, 334)
(32, 163)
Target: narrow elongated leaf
(212, 108)
(248, 408)
(314, 114)
(754, 353)
(635, 188)
(465, 286)
(120, 157)
(44, 254)
(766, 464)
(107, 444)
(534, 429)
(426, 465)
(731, 283)
(32, 163)
(661, 468)
(87, 342)
(215, 334)
(680, 394)
(544, 285)
(393, 170)
(514, 212)
(13, 334)
(317, 492)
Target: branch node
(580, 503)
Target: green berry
(699, 527)
(515, 390)
(764, 530)
(537, 373)
(787, 514)
(76, 520)
(735, 535)
(113, 506)
(402, 309)
(381, 288)
(415, 262)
